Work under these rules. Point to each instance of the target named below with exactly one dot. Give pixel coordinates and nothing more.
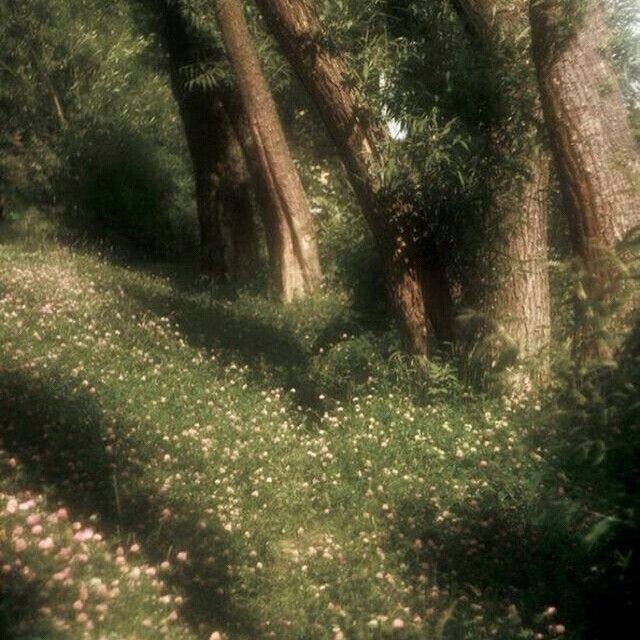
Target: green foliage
(85, 82)
(596, 464)
(123, 189)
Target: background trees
(434, 113)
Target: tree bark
(203, 120)
(515, 296)
(594, 152)
(360, 138)
(236, 212)
(299, 264)
(228, 238)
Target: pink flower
(20, 544)
(182, 556)
(398, 623)
(83, 534)
(215, 636)
(45, 544)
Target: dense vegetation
(318, 320)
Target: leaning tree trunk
(514, 297)
(360, 138)
(284, 269)
(299, 265)
(594, 151)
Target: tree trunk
(514, 298)
(225, 211)
(284, 269)
(235, 209)
(203, 120)
(594, 152)
(299, 265)
(360, 138)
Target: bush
(120, 190)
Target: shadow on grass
(274, 354)
(501, 555)
(62, 438)
(531, 555)
(19, 598)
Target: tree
(416, 281)
(222, 199)
(291, 230)
(593, 148)
(514, 294)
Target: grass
(180, 464)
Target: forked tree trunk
(293, 236)
(515, 295)
(360, 137)
(593, 148)
(284, 269)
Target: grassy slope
(166, 419)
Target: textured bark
(360, 137)
(282, 182)
(515, 296)
(283, 264)
(593, 148)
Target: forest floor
(175, 463)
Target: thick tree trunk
(284, 269)
(593, 148)
(282, 184)
(515, 295)
(516, 298)
(360, 137)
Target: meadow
(179, 463)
